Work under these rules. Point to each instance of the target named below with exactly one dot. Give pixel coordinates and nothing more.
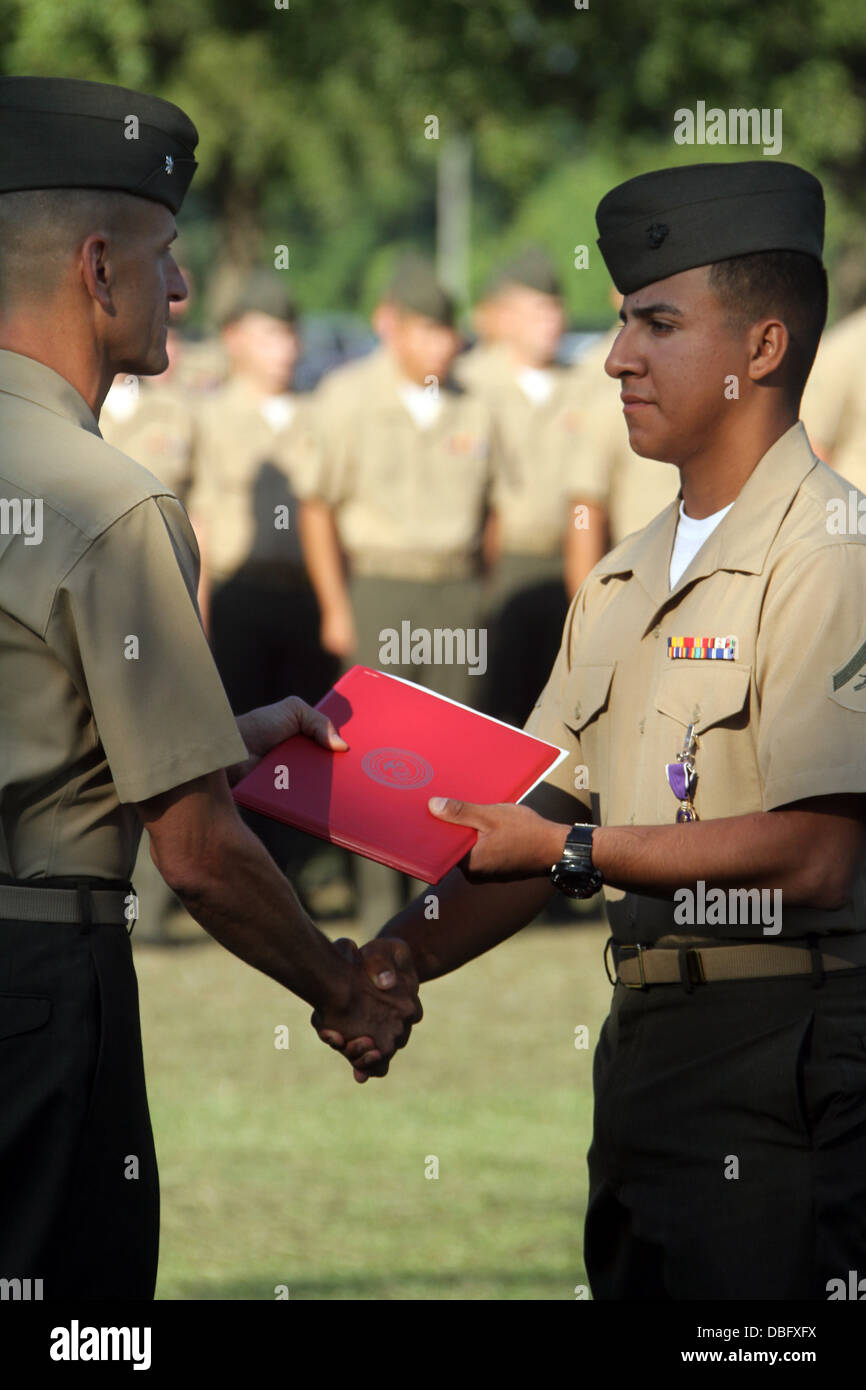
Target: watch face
(577, 883)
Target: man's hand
(262, 729)
(513, 842)
(377, 1017)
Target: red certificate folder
(406, 744)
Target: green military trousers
(79, 1189)
(728, 1157)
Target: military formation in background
(422, 487)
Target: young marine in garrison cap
(248, 448)
(396, 508)
(402, 472)
(111, 709)
(249, 451)
(711, 691)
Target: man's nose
(621, 360)
(177, 288)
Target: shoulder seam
(90, 544)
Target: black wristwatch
(575, 874)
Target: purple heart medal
(682, 778)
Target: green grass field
(278, 1169)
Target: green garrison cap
(658, 224)
(414, 287)
(533, 268)
(263, 292)
(59, 132)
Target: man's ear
(769, 345)
(97, 269)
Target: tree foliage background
(311, 115)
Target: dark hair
(787, 284)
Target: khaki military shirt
(344, 388)
(539, 470)
(108, 691)
(408, 502)
(482, 367)
(632, 490)
(782, 721)
(152, 422)
(834, 402)
(244, 495)
(202, 365)
(346, 383)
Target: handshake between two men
(371, 1002)
(365, 1001)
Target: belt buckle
(642, 984)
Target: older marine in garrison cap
(112, 713)
(711, 692)
(65, 133)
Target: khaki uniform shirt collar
(33, 381)
(385, 398)
(742, 538)
(564, 380)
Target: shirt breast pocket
(715, 697)
(584, 701)
(384, 468)
(458, 472)
(704, 693)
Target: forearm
(241, 898)
(767, 849)
(323, 555)
(472, 919)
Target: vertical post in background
(453, 213)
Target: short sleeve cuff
(167, 773)
(845, 780)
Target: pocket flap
(586, 693)
(21, 1013)
(703, 693)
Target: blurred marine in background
(396, 511)
(540, 468)
(258, 602)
